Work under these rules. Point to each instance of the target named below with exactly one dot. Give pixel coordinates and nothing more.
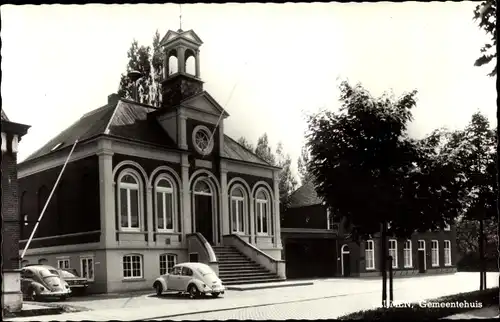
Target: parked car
(76, 283)
(194, 278)
(42, 282)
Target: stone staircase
(235, 268)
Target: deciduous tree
(485, 16)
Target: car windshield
(67, 274)
(205, 270)
(48, 273)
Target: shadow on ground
(183, 296)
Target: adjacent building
(311, 236)
(147, 187)
(12, 133)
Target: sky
(283, 60)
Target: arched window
(202, 188)
(165, 204)
(173, 64)
(262, 211)
(238, 210)
(190, 62)
(129, 200)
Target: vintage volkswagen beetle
(76, 283)
(43, 282)
(193, 278)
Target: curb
(34, 312)
(262, 287)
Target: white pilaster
(107, 196)
(181, 131)
(251, 200)
(4, 142)
(186, 198)
(149, 215)
(221, 136)
(277, 226)
(225, 206)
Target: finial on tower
(180, 18)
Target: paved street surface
(328, 298)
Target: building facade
(310, 235)
(12, 133)
(147, 187)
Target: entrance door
(421, 261)
(203, 212)
(346, 260)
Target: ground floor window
(63, 263)
(370, 255)
(407, 254)
(435, 253)
(87, 267)
(393, 252)
(447, 253)
(132, 266)
(167, 261)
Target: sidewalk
(484, 313)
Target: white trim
(210, 147)
(140, 199)
(395, 250)
(195, 176)
(342, 252)
(405, 251)
(370, 251)
(63, 261)
(263, 204)
(166, 191)
(329, 226)
(447, 250)
(436, 252)
(15, 143)
(141, 266)
(170, 171)
(106, 131)
(213, 195)
(425, 251)
(86, 258)
(4, 142)
(129, 163)
(240, 181)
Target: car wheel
(216, 294)
(193, 291)
(159, 289)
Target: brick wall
(10, 212)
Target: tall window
(128, 201)
(237, 210)
(167, 261)
(329, 220)
(407, 254)
(370, 255)
(132, 266)
(262, 212)
(87, 267)
(447, 253)
(393, 251)
(165, 205)
(63, 263)
(435, 253)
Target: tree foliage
(246, 144)
(370, 172)
(485, 16)
(150, 65)
(302, 166)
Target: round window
(202, 140)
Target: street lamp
(134, 76)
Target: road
(329, 298)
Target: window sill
(408, 266)
(134, 279)
(132, 231)
(433, 266)
(448, 265)
(370, 269)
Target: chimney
(113, 99)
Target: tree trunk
(383, 262)
(481, 256)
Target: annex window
(129, 197)
(329, 220)
(262, 212)
(63, 263)
(87, 267)
(407, 254)
(370, 254)
(393, 252)
(165, 204)
(447, 253)
(421, 245)
(132, 266)
(238, 207)
(167, 262)
(435, 253)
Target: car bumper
(216, 290)
(54, 294)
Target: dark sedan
(43, 282)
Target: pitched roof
(305, 196)
(4, 116)
(132, 121)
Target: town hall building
(147, 187)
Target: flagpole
(48, 200)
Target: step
(245, 270)
(243, 278)
(230, 265)
(237, 261)
(244, 275)
(252, 281)
(230, 258)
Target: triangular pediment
(168, 37)
(204, 102)
(189, 35)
